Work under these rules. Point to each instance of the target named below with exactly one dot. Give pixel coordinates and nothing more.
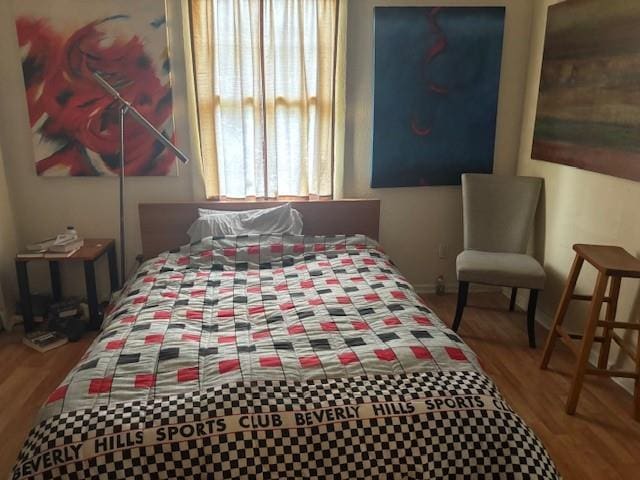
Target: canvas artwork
(437, 74)
(589, 103)
(74, 122)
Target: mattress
(277, 357)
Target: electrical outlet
(442, 250)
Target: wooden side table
(613, 264)
(93, 249)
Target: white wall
(578, 207)
(44, 205)
(416, 220)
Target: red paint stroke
(438, 47)
(441, 40)
(79, 113)
(441, 89)
(417, 130)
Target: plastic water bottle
(71, 232)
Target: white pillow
(278, 220)
(205, 211)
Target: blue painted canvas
(437, 73)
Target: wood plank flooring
(28, 378)
(601, 442)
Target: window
(265, 74)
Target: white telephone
(69, 236)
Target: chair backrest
(498, 211)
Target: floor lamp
(126, 108)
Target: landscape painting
(437, 75)
(74, 122)
(588, 112)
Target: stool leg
(587, 342)
(610, 316)
(562, 309)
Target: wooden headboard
(164, 226)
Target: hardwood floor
(601, 442)
(28, 379)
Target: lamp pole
(126, 108)
(123, 112)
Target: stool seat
(610, 260)
(613, 264)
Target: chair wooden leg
(587, 342)
(562, 310)
(531, 317)
(512, 302)
(636, 392)
(463, 291)
(610, 316)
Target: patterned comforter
(277, 357)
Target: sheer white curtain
(270, 94)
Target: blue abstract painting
(437, 74)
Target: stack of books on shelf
(64, 249)
(65, 309)
(52, 248)
(67, 317)
(65, 324)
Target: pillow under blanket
(276, 220)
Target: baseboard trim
(429, 288)
(546, 321)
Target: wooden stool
(612, 263)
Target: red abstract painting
(74, 122)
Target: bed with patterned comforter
(277, 357)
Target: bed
(276, 356)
